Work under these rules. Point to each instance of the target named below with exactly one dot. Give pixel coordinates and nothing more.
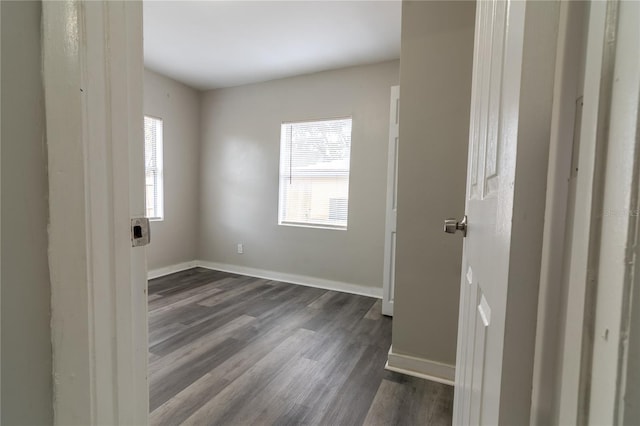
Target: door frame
(584, 339)
(391, 218)
(571, 400)
(0, 211)
(93, 70)
(98, 377)
(613, 257)
(564, 143)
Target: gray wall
(175, 239)
(26, 337)
(435, 94)
(632, 391)
(239, 170)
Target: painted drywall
(632, 391)
(26, 336)
(174, 239)
(435, 96)
(240, 166)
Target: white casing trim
(420, 367)
(293, 279)
(92, 74)
(391, 219)
(271, 275)
(171, 269)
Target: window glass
(153, 168)
(314, 173)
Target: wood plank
(178, 300)
(258, 341)
(382, 412)
(375, 313)
(228, 349)
(242, 391)
(170, 374)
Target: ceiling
(214, 44)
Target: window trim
(313, 226)
(316, 225)
(160, 184)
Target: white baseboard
(293, 279)
(422, 368)
(171, 269)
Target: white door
(388, 282)
(514, 54)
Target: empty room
(319, 212)
(271, 137)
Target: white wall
(240, 164)
(26, 335)
(175, 239)
(435, 94)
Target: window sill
(313, 226)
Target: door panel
(483, 184)
(388, 283)
(494, 300)
(483, 319)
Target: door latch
(452, 225)
(140, 232)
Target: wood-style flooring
(227, 349)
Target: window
(153, 168)
(314, 173)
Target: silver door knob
(452, 225)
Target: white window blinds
(314, 173)
(153, 168)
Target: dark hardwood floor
(227, 349)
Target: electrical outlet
(240, 248)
